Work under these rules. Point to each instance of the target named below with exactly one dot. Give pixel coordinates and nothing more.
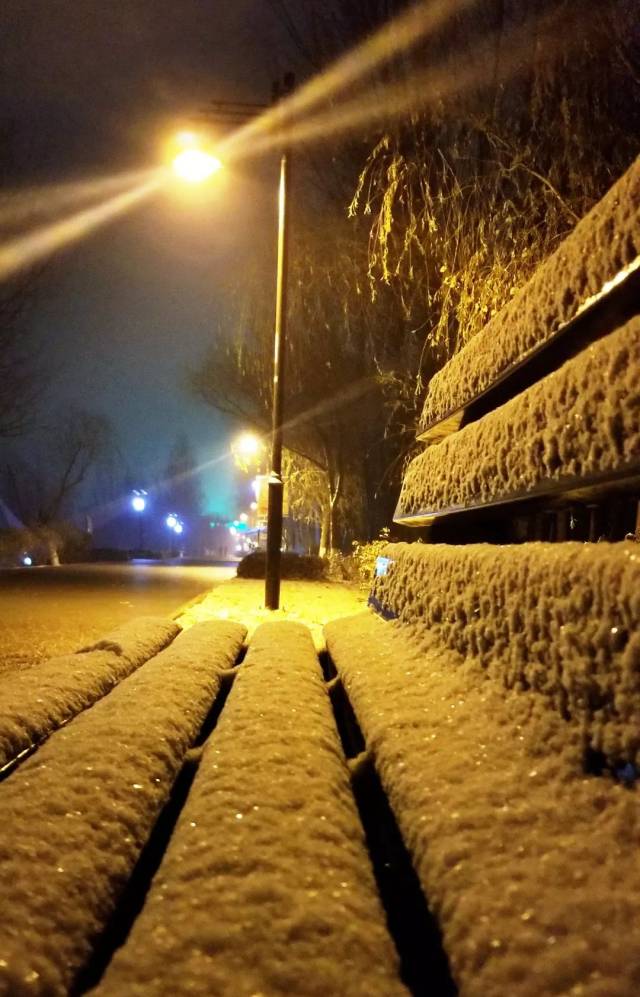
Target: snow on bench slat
(266, 886)
(76, 815)
(601, 246)
(529, 865)
(36, 701)
(581, 420)
(561, 619)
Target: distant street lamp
(194, 164)
(248, 449)
(173, 522)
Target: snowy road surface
(48, 611)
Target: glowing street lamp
(194, 167)
(193, 163)
(173, 523)
(248, 451)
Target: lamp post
(194, 165)
(276, 486)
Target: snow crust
(34, 702)
(604, 242)
(266, 887)
(529, 865)
(581, 420)
(76, 815)
(558, 619)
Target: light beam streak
(23, 205)
(394, 38)
(23, 251)
(448, 79)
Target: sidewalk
(311, 603)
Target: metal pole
(276, 487)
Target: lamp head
(192, 160)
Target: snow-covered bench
(37, 701)
(169, 839)
(266, 887)
(588, 287)
(529, 864)
(501, 707)
(543, 404)
(78, 813)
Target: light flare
(398, 36)
(448, 79)
(248, 445)
(25, 250)
(195, 165)
(23, 205)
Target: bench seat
(76, 815)
(529, 864)
(266, 887)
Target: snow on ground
(285, 901)
(580, 420)
(602, 245)
(560, 619)
(311, 603)
(530, 865)
(76, 816)
(35, 701)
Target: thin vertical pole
(276, 487)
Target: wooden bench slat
(76, 815)
(613, 308)
(36, 701)
(596, 260)
(580, 422)
(266, 885)
(561, 620)
(529, 865)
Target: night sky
(91, 88)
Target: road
(47, 611)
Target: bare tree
(22, 374)
(41, 488)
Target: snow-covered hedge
(36, 701)
(581, 420)
(561, 619)
(602, 245)
(266, 886)
(529, 865)
(76, 815)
